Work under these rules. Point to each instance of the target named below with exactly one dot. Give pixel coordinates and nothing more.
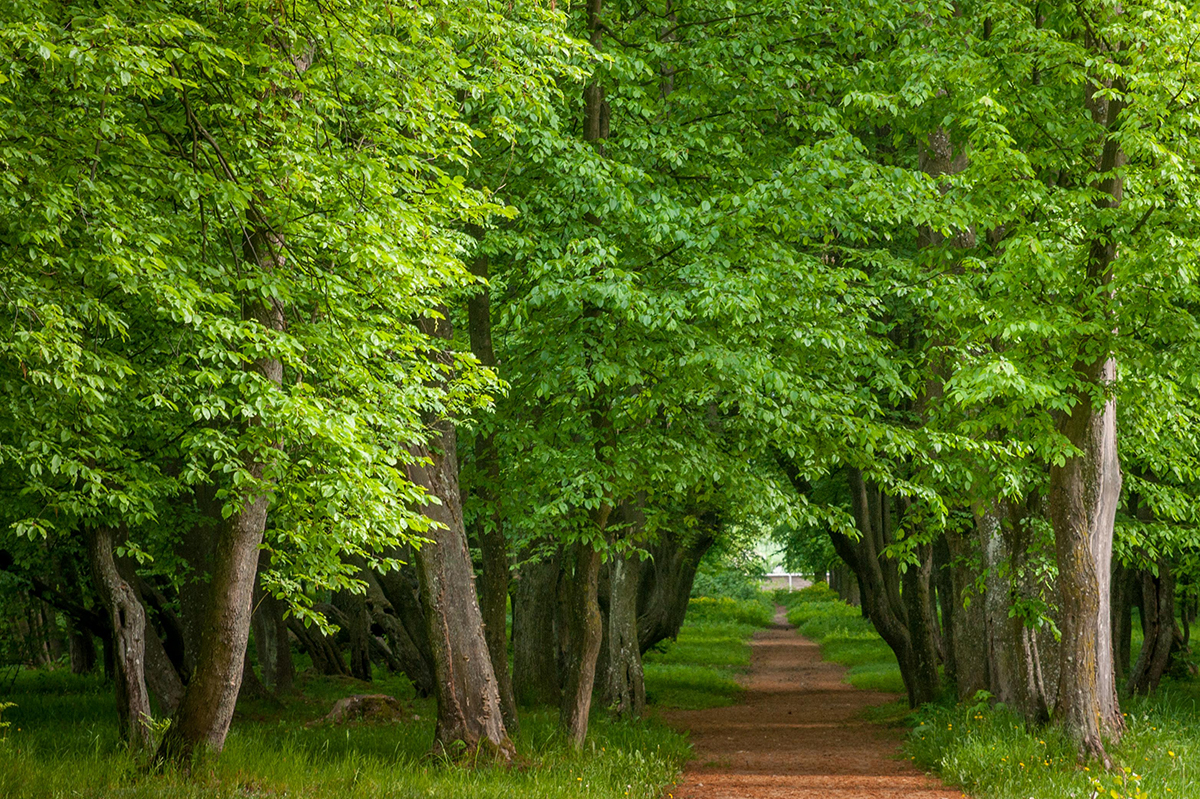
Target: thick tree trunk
(469, 716)
(625, 689)
(968, 638)
(894, 618)
(535, 642)
(128, 619)
(665, 585)
(917, 597)
(1083, 504)
(585, 629)
(407, 655)
(494, 577)
(1016, 669)
(1162, 637)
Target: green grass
(845, 637)
(63, 743)
(990, 753)
(701, 667)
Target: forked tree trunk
(469, 717)
(203, 718)
(409, 658)
(128, 619)
(585, 629)
(535, 642)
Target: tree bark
(211, 696)
(968, 638)
(1083, 504)
(271, 636)
(1161, 636)
(128, 619)
(469, 716)
(625, 691)
(585, 629)
(408, 656)
(535, 641)
(489, 533)
(665, 584)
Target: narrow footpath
(798, 733)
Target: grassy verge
(62, 743)
(62, 739)
(990, 753)
(700, 668)
(845, 637)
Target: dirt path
(798, 733)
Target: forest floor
(798, 732)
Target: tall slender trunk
(968, 638)
(128, 619)
(489, 533)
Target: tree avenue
(428, 332)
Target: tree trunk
(1083, 504)
(469, 716)
(82, 649)
(1162, 637)
(535, 642)
(625, 691)
(666, 581)
(585, 630)
(208, 703)
(494, 576)
(1016, 668)
(968, 638)
(1122, 619)
(322, 650)
(407, 654)
(128, 619)
(357, 630)
(271, 636)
